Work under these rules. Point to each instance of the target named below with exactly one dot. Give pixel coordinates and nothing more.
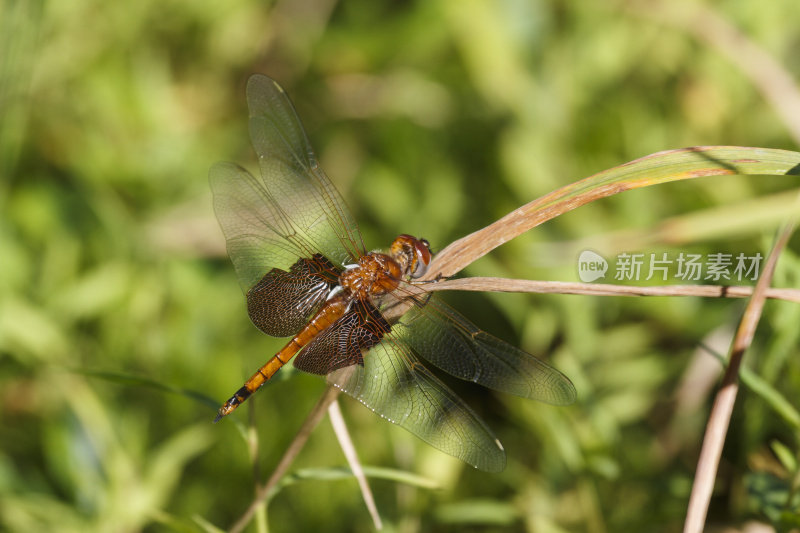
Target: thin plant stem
(263, 492)
(603, 289)
(349, 449)
(721, 411)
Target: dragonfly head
(414, 255)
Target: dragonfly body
(325, 318)
(374, 275)
(306, 275)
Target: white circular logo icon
(591, 266)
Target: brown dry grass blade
(603, 289)
(722, 409)
(661, 167)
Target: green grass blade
(139, 381)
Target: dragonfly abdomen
(331, 311)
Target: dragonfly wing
(275, 224)
(393, 383)
(344, 343)
(312, 215)
(282, 302)
(283, 290)
(250, 220)
(449, 341)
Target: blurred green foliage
(433, 118)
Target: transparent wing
(448, 340)
(393, 383)
(292, 211)
(314, 213)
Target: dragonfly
(306, 274)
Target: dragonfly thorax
(374, 275)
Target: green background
(432, 118)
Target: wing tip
(568, 392)
(260, 79)
(221, 171)
(494, 463)
(560, 392)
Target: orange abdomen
(330, 312)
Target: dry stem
(604, 289)
(346, 443)
(719, 420)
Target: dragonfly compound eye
(422, 257)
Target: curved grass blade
(139, 381)
(654, 169)
(764, 390)
(343, 472)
